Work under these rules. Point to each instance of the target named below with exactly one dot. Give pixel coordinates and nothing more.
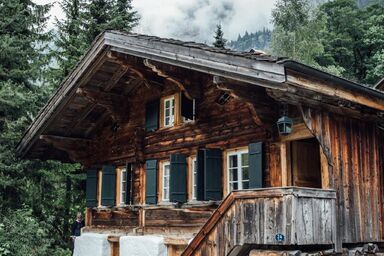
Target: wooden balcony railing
(288, 216)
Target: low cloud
(196, 20)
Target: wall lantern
(285, 125)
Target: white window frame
(172, 109)
(240, 179)
(122, 187)
(164, 177)
(194, 177)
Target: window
(194, 177)
(169, 111)
(238, 176)
(123, 186)
(165, 191)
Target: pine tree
(109, 14)
(123, 16)
(22, 40)
(70, 41)
(219, 38)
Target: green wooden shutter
(130, 179)
(255, 151)
(108, 186)
(178, 178)
(151, 182)
(212, 174)
(152, 115)
(200, 174)
(91, 189)
(187, 107)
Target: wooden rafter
(129, 68)
(116, 105)
(163, 74)
(77, 148)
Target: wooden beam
(335, 91)
(316, 101)
(173, 80)
(77, 148)
(116, 105)
(124, 65)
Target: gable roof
(261, 70)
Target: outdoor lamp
(284, 124)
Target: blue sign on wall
(279, 237)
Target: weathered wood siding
(303, 216)
(151, 219)
(355, 172)
(217, 126)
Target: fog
(194, 20)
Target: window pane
(167, 103)
(124, 176)
(166, 170)
(233, 174)
(244, 159)
(233, 161)
(235, 186)
(123, 197)
(167, 112)
(245, 173)
(245, 184)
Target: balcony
(288, 217)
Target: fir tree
(70, 41)
(219, 38)
(109, 14)
(22, 40)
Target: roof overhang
(259, 70)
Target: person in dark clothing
(76, 228)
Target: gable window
(194, 177)
(165, 181)
(169, 111)
(123, 186)
(238, 173)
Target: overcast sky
(195, 20)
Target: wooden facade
(166, 130)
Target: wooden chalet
(184, 156)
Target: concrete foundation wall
(90, 244)
(142, 246)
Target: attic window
(223, 98)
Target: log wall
(217, 126)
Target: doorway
(305, 163)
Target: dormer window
(169, 111)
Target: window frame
(163, 165)
(122, 188)
(239, 167)
(193, 173)
(172, 121)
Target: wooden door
(305, 163)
